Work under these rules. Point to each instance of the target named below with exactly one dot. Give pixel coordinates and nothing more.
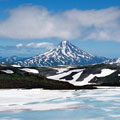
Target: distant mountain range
(13, 59)
(113, 61)
(64, 54)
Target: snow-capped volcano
(64, 54)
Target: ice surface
(98, 104)
(41, 100)
(12, 100)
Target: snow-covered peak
(69, 50)
(64, 43)
(64, 54)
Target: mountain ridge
(113, 61)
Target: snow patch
(75, 77)
(85, 81)
(7, 71)
(15, 65)
(61, 70)
(30, 70)
(58, 76)
(104, 73)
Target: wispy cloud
(45, 45)
(34, 22)
(30, 49)
(19, 45)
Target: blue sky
(28, 26)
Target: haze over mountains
(64, 54)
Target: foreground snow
(30, 70)
(35, 99)
(41, 100)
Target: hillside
(60, 77)
(14, 77)
(99, 74)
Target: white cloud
(29, 49)
(19, 45)
(45, 45)
(33, 22)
